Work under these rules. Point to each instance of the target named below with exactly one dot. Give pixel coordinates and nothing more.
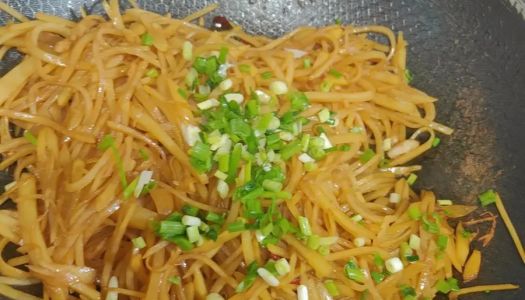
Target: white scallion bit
(239, 98)
(191, 220)
(191, 134)
(268, 277)
(302, 292)
(394, 265)
(279, 87)
(394, 198)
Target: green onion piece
(453, 283)
(245, 68)
(331, 288)
(307, 63)
(408, 76)
(384, 163)
(168, 229)
(240, 128)
(487, 197)
(335, 73)
(313, 242)
(405, 250)
(414, 212)
(338, 21)
(271, 185)
(353, 272)
(182, 242)
(377, 277)
(251, 275)
(193, 233)
(215, 218)
(144, 154)
(267, 230)
(291, 149)
(431, 227)
(182, 93)
(411, 179)
(190, 210)
(445, 286)
(412, 258)
(267, 75)
(107, 142)
(236, 226)
(436, 141)
(147, 39)
(407, 290)
(138, 242)
(378, 260)
(282, 266)
(326, 86)
(152, 73)
(442, 241)
(345, 147)
(299, 101)
(128, 191)
(367, 155)
(466, 234)
(304, 226)
(324, 250)
(175, 280)
(223, 162)
(201, 157)
(235, 159)
(200, 64)
(223, 54)
(148, 187)
(30, 137)
(310, 166)
(176, 216)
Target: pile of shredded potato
(156, 159)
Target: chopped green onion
(313, 242)
(138, 242)
(128, 191)
(215, 218)
(304, 226)
(235, 159)
(147, 39)
(324, 115)
(466, 234)
(30, 137)
(378, 260)
(187, 50)
(377, 277)
(175, 280)
(193, 233)
(338, 21)
(143, 154)
(107, 142)
(331, 288)
(405, 250)
(310, 166)
(223, 54)
(414, 212)
(147, 188)
(445, 286)
(152, 73)
(436, 141)
(291, 149)
(299, 101)
(190, 210)
(279, 87)
(169, 229)
(324, 250)
(431, 227)
(201, 157)
(408, 76)
(237, 226)
(414, 242)
(223, 162)
(282, 266)
(411, 179)
(487, 197)
(271, 185)
(267, 75)
(335, 73)
(182, 93)
(367, 155)
(442, 242)
(182, 242)
(412, 258)
(307, 63)
(325, 86)
(191, 220)
(352, 271)
(244, 68)
(345, 147)
(407, 290)
(251, 275)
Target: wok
(470, 54)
